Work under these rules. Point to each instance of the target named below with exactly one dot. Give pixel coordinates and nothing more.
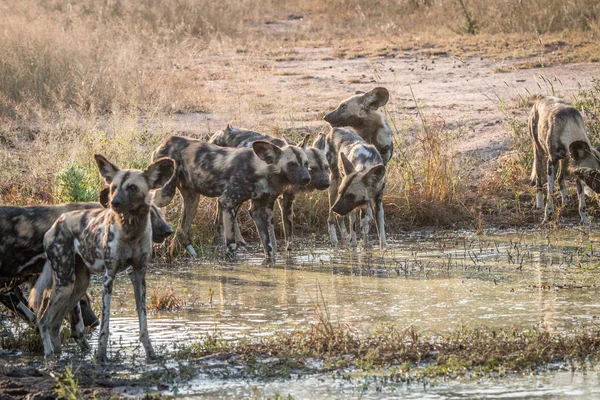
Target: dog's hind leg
(239, 239)
(261, 214)
(107, 284)
(380, 221)
(228, 216)
(365, 224)
(190, 204)
(585, 218)
(82, 280)
(138, 280)
(562, 172)
(549, 213)
(286, 204)
(52, 318)
(352, 226)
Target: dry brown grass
(116, 77)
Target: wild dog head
(585, 164)
(160, 229)
(358, 187)
(318, 167)
(355, 110)
(290, 160)
(582, 155)
(591, 177)
(129, 190)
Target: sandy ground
(292, 89)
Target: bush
(76, 183)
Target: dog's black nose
(305, 181)
(115, 202)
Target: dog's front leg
(286, 204)
(352, 223)
(260, 215)
(380, 221)
(109, 278)
(228, 216)
(270, 221)
(138, 280)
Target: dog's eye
(132, 188)
(305, 164)
(343, 106)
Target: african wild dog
(317, 167)
(558, 135)
(360, 112)
(357, 179)
(22, 254)
(235, 175)
(105, 241)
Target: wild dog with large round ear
(259, 174)
(317, 167)
(357, 182)
(361, 113)
(99, 241)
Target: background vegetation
(78, 78)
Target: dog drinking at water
(558, 136)
(101, 241)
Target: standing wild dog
(558, 133)
(317, 167)
(357, 180)
(360, 112)
(22, 254)
(99, 240)
(259, 174)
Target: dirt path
(293, 88)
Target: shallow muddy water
(435, 281)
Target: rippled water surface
(436, 281)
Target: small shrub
(76, 183)
(66, 385)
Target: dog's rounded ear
(305, 140)
(159, 172)
(347, 164)
(376, 98)
(579, 150)
(104, 197)
(107, 169)
(374, 175)
(268, 152)
(228, 128)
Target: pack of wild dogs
(58, 247)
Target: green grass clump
(76, 183)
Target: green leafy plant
(76, 182)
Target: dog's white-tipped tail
(44, 282)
